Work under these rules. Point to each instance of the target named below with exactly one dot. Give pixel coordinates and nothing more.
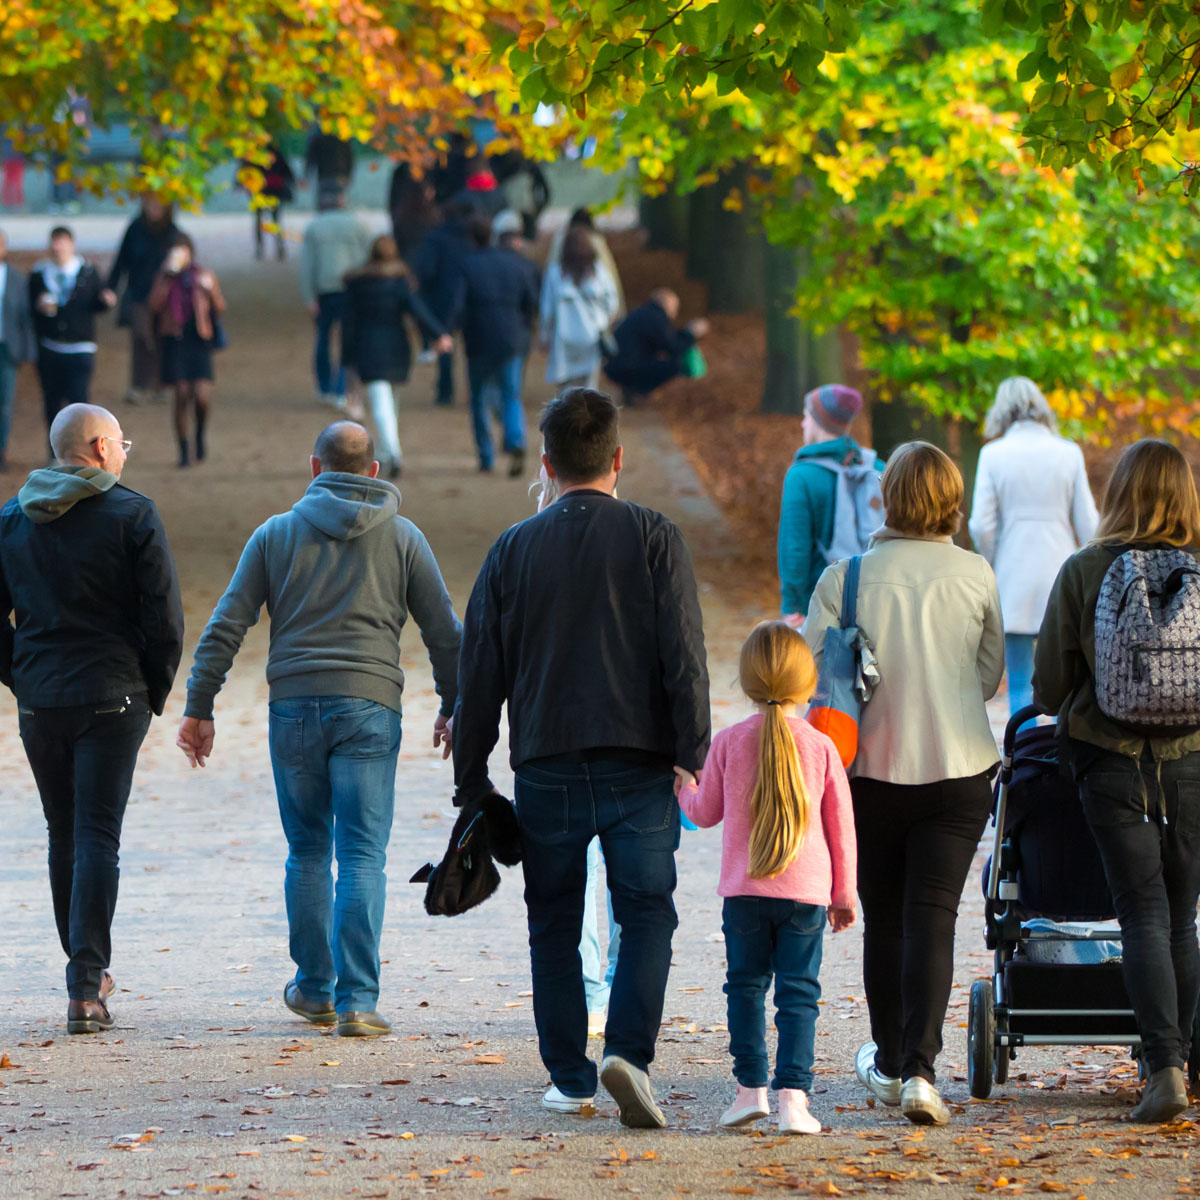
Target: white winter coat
(572, 318)
(1032, 510)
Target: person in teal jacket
(810, 492)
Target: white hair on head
(1018, 399)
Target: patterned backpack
(1148, 640)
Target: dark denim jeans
(65, 379)
(334, 759)
(632, 809)
(82, 760)
(1146, 822)
(765, 937)
(496, 388)
(8, 389)
(331, 309)
(444, 395)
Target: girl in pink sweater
(788, 860)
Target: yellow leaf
(1126, 75)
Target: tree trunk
(735, 277)
(665, 220)
(703, 204)
(798, 360)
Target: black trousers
(1146, 820)
(83, 760)
(65, 379)
(915, 848)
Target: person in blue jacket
(806, 512)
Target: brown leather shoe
(88, 1016)
(311, 1010)
(362, 1024)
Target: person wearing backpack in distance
(787, 861)
(920, 779)
(831, 503)
(1118, 660)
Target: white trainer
(883, 1087)
(558, 1101)
(794, 1116)
(921, 1103)
(629, 1086)
(596, 1023)
(749, 1105)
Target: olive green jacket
(1065, 660)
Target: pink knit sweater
(823, 872)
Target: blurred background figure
(12, 175)
(649, 349)
(279, 183)
(148, 238)
(1031, 511)
(581, 218)
(329, 159)
(412, 208)
(17, 343)
(438, 266)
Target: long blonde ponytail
(777, 668)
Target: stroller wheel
(981, 1039)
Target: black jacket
(496, 304)
(374, 335)
(647, 335)
(143, 251)
(95, 600)
(586, 622)
(74, 321)
(329, 156)
(437, 265)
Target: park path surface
(209, 1086)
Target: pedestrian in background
(278, 188)
(496, 305)
(438, 266)
(17, 342)
(143, 250)
(187, 304)
(578, 304)
(648, 349)
(330, 159)
(65, 294)
(335, 243)
(381, 298)
(1032, 510)
(582, 218)
(412, 208)
(95, 638)
(340, 574)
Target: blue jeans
(8, 389)
(334, 759)
(331, 308)
(765, 937)
(597, 982)
(1018, 659)
(561, 808)
(496, 387)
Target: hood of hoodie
(53, 491)
(838, 448)
(346, 506)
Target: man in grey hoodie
(340, 574)
(95, 638)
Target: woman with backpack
(579, 302)
(1032, 508)
(1130, 717)
(920, 782)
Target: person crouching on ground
(187, 303)
(788, 860)
(340, 575)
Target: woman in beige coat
(920, 781)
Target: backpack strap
(850, 592)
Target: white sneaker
(882, 1087)
(596, 1023)
(921, 1104)
(629, 1086)
(794, 1116)
(749, 1105)
(557, 1101)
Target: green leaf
(1027, 68)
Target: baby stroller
(1049, 919)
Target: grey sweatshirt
(340, 574)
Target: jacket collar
(884, 534)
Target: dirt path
(209, 1086)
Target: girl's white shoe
(794, 1116)
(749, 1105)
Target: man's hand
(443, 734)
(108, 297)
(841, 918)
(698, 327)
(684, 778)
(795, 620)
(195, 739)
(444, 344)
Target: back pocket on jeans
(542, 808)
(285, 736)
(646, 807)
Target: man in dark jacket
(586, 622)
(330, 158)
(649, 348)
(17, 343)
(65, 294)
(86, 572)
(496, 305)
(143, 251)
(437, 265)
(340, 575)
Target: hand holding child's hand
(841, 918)
(684, 779)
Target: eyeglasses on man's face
(124, 443)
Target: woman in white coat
(1032, 510)
(579, 302)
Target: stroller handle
(1014, 723)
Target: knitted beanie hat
(834, 407)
